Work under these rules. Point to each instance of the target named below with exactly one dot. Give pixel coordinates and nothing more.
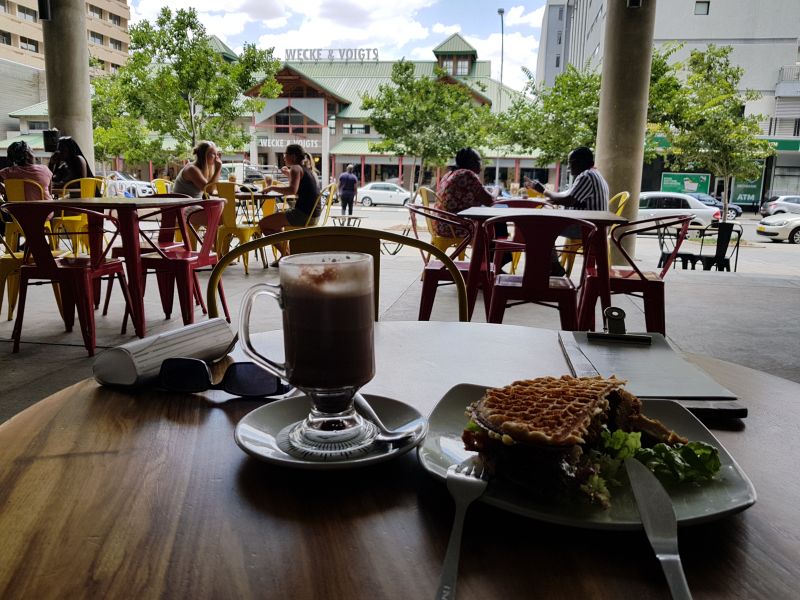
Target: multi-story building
(765, 41)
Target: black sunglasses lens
(249, 380)
(189, 375)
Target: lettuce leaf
(686, 463)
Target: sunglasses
(244, 379)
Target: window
(115, 19)
(3, 6)
(560, 13)
(27, 14)
(558, 61)
(558, 37)
(28, 44)
(95, 38)
(38, 125)
(462, 67)
(701, 8)
(5, 38)
(113, 68)
(115, 44)
(447, 65)
(357, 128)
(290, 120)
(95, 11)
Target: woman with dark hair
(68, 163)
(194, 177)
(23, 166)
(303, 184)
(461, 188)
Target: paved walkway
(751, 317)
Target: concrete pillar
(66, 60)
(624, 90)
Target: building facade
(765, 38)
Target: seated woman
(194, 177)
(23, 166)
(303, 184)
(461, 188)
(68, 163)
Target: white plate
(255, 433)
(729, 492)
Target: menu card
(654, 371)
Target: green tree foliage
(714, 134)
(426, 117)
(175, 84)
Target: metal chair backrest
(617, 203)
(353, 239)
(226, 190)
(210, 215)
(454, 223)
(329, 194)
(161, 186)
(658, 225)
(724, 233)
(540, 233)
(90, 187)
(16, 189)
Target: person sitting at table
(23, 166)
(303, 185)
(68, 163)
(589, 191)
(194, 177)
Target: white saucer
(256, 433)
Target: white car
(780, 227)
(380, 192)
(668, 204)
(781, 204)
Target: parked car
(381, 192)
(781, 204)
(785, 226)
(131, 185)
(734, 210)
(667, 204)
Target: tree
(714, 133)
(429, 118)
(177, 85)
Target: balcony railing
(789, 73)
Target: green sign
(685, 182)
(748, 193)
(784, 145)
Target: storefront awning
(357, 147)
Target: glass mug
(327, 300)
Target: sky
(397, 28)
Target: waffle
(557, 412)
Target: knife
(660, 524)
(581, 366)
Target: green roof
(34, 110)
(221, 48)
(34, 140)
(455, 44)
(357, 146)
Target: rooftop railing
(789, 73)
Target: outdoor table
(116, 494)
(477, 276)
(128, 216)
(347, 220)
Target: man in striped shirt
(589, 191)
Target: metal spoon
(391, 436)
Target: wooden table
(108, 494)
(477, 276)
(128, 216)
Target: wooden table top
(141, 495)
(599, 217)
(116, 202)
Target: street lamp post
(501, 12)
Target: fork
(466, 482)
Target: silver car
(780, 227)
(381, 192)
(668, 204)
(781, 204)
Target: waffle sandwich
(538, 431)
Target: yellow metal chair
(76, 226)
(330, 190)
(326, 239)
(162, 186)
(572, 247)
(442, 242)
(230, 226)
(15, 192)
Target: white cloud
(446, 29)
(516, 17)
(519, 51)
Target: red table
(478, 271)
(128, 216)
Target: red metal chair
(516, 244)
(434, 272)
(76, 276)
(648, 285)
(536, 285)
(179, 265)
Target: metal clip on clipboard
(614, 318)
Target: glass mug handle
(260, 289)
